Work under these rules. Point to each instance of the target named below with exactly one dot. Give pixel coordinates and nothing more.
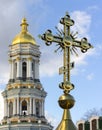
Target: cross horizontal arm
(50, 38)
(83, 44)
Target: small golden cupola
(24, 36)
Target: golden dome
(24, 36)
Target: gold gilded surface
(24, 98)
(68, 43)
(66, 122)
(18, 59)
(10, 100)
(24, 36)
(10, 61)
(30, 59)
(20, 85)
(66, 101)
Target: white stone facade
(24, 96)
(24, 53)
(94, 123)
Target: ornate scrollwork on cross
(68, 42)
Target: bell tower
(24, 96)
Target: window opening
(24, 70)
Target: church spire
(24, 96)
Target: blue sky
(45, 14)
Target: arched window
(10, 109)
(80, 126)
(24, 107)
(15, 70)
(94, 124)
(37, 108)
(24, 70)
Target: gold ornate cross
(68, 42)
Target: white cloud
(60, 26)
(90, 76)
(35, 2)
(51, 119)
(81, 60)
(99, 50)
(50, 66)
(4, 73)
(11, 13)
(93, 8)
(1, 106)
(82, 23)
(50, 63)
(82, 56)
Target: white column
(30, 105)
(14, 106)
(8, 109)
(18, 67)
(11, 69)
(10, 61)
(43, 105)
(97, 123)
(17, 105)
(33, 106)
(36, 69)
(20, 105)
(29, 67)
(5, 107)
(40, 108)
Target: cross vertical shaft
(68, 43)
